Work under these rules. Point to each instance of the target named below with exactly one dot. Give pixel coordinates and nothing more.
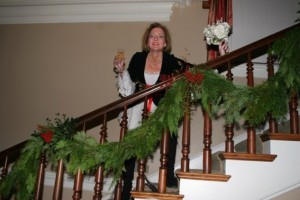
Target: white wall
(255, 19)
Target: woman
(146, 68)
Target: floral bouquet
(217, 32)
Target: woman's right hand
(223, 48)
(119, 64)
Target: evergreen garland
(80, 151)
(22, 177)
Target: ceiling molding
(71, 11)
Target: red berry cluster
(164, 77)
(194, 78)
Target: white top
(151, 78)
(127, 87)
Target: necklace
(153, 64)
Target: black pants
(128, 175)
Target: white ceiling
(68, 11)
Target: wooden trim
(205, 4)
(247, 156)
(199, 175)
(155, 195)
(74, 11)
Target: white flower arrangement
(217, 32)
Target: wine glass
(119, 60)
(120, 54)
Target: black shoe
(172, 183)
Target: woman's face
(156, 40)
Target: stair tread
(280, 136)
(156, 195)
(198, 174)
(248, 156)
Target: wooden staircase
(226, 180)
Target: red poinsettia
(47, 136)
(196, 78)
(45, 132)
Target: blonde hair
(167, 48)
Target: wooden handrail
(11, 152)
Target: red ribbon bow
(149, 101)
